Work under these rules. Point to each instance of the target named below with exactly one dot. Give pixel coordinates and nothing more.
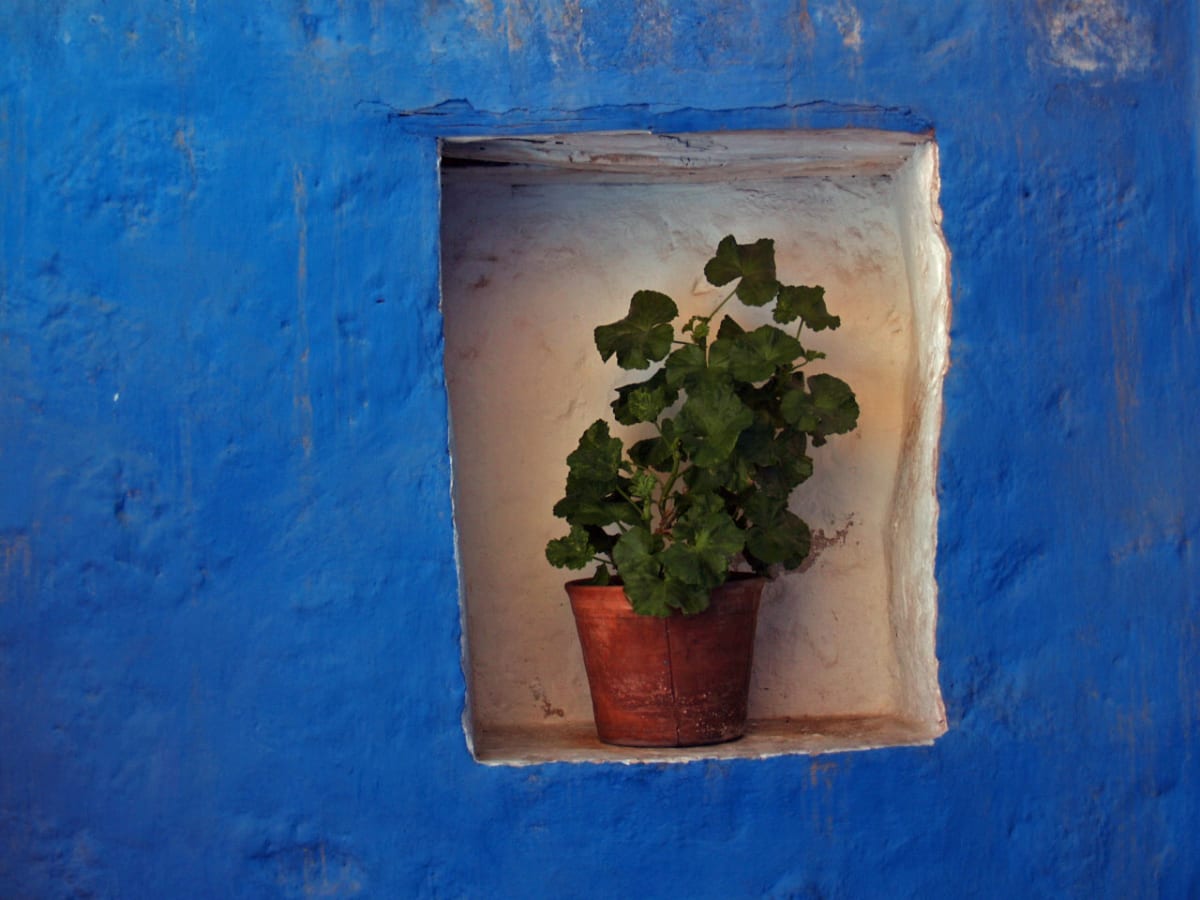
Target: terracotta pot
(679, 681)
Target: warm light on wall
(542, 239)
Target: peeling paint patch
(849, 24)
(1097, 37)
(539, 695)
(805, 22)
(518, 20)
(651, 36)
(566, 34)
(311, 870)
(822, 541)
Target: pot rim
(730, 578)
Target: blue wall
(229, 647)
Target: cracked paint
(1098, 36)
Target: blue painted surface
(229, 650)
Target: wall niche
(546, 236)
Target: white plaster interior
(540, 250)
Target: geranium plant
(733, 415)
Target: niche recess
(545, 237)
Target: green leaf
(827, 407)
(757, 445)
(753, 263)
(571, 552)
(703, 544)
(593, 480)
(797, 408)
(690, 600)
(636, 557)
(601, 577)
(763, 399)
(580, 509)
(776, 535)
(729, 328)
(698, 326)
(644, 335)
(645, 400)
(807, 304)
(733, 475)
(792, 465)
(597, 458)
(726, 265)
(686, 366)
(643, 486)
(754, 356)
(836, 406)
(652, 453)
(600, 539)
(710, 421)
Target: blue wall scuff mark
(229, 646)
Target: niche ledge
(765, 738)
(543, 238)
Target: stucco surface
(229, 633)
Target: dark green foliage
(754, 355)
(705, 539)
(574, 551)
(595, 485)
(674, 512)
(807, 303)
(644, 335)
(776, 535)
(827, 407)
(644, 401)
(710, 421)
(753, 263)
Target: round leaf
(805, 303)
(753, 263)
(644, 335)
(645, 400)
(827, 407)
(776, 535)
(710, 421)
(755, 355)
(641, 573)
(571, 552)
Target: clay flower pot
(678, 681)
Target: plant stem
(665, 516)
(709, 319)
(722, 303)
(628, 499)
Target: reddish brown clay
(679, 681)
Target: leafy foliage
(753, 263)
(644, 335)
(827, 407)
(673, 513)
(807, 303)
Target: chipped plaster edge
(916, 507)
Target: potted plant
(685, 524)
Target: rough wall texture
(229, 648)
